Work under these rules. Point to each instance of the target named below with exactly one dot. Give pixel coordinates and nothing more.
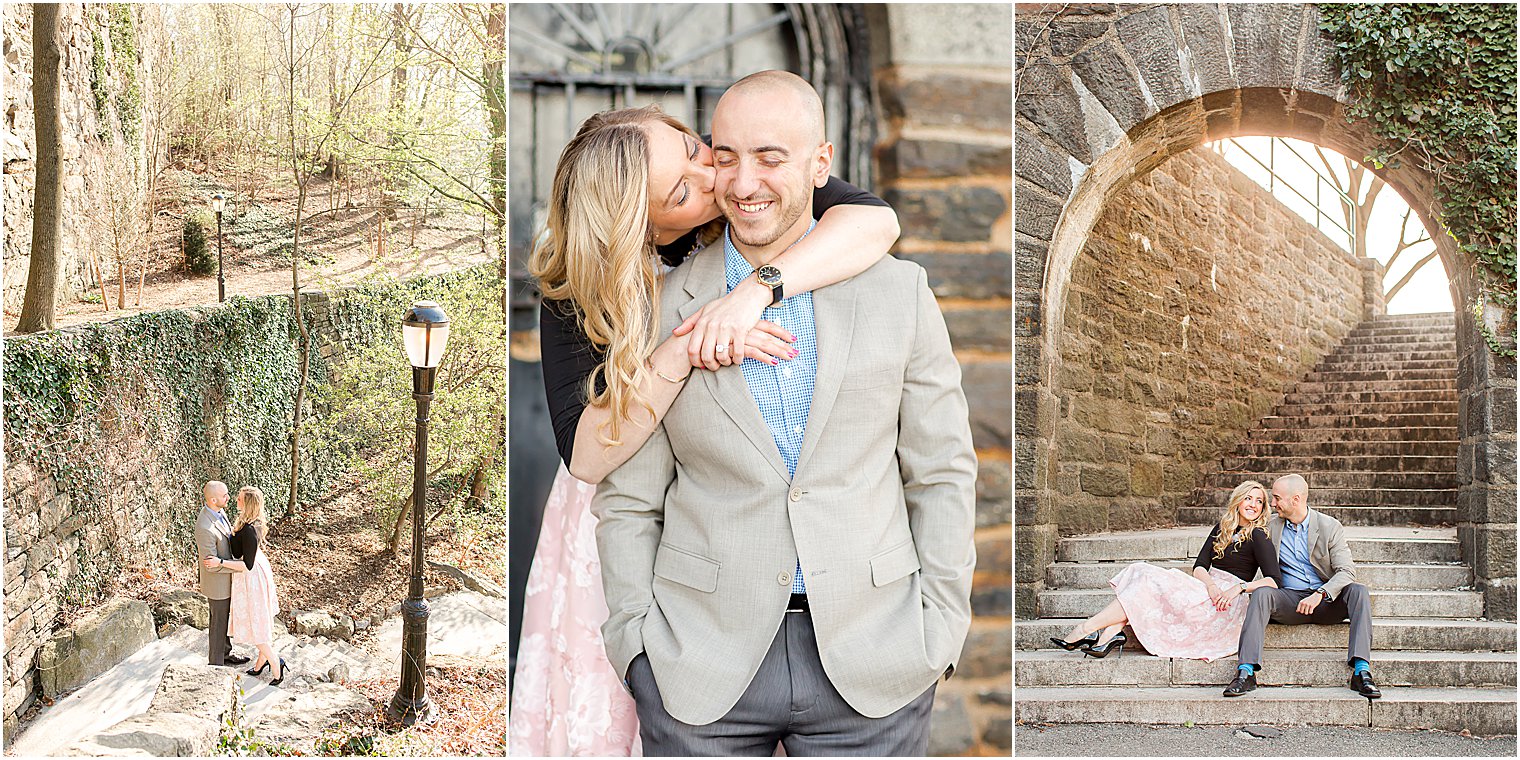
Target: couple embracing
(1307, 577)
(782, 551)
(235, 577)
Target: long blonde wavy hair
(599, 253)
(250, 501)
(1231, 529)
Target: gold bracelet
(662, 375)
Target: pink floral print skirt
(1170, 612)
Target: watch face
(769, 275)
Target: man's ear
(823, 164)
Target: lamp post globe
(425, 333)
(218, 202)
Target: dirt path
(343, 243)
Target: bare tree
(39, 303)
(119, 198)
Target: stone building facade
(945, 160)
(93, 136)
(1198, 298)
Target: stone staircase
(1373, 427)
(1438, 666)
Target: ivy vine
(1437, 81)
(123, 57)
(129, 417)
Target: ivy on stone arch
(1438, 82)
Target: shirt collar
(735, 266)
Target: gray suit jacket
(700, 530)
(211, 540)
(1328, 551)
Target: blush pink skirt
(1170, 612)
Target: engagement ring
(721, 348)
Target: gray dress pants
(1280, 605)
(220, 644)
(790, 701)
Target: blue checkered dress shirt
(784, 393)
(1297, 570)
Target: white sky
(1428, 291)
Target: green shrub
(200, 257)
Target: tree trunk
(496, 106)
(39, 303)
(397, 105)
(406, 509)
(304, 345)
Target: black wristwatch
(1324, 596)
(770, 277)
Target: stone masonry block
(994, 493)
(1040, 165)
(1034, 547)
(966, 275)
(986, 387)
(946, 99)
(957, 214)
(1047, 99)
(1266, 43)
(930, 158)
(1207, 45)
(1114, 83)
(1147, 37)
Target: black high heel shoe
(1115, 643)
(284, 671)
(259, 670)
(1082, 643)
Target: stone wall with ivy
(104, 119)
(111, 429)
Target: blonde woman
(254, 601)
(1196, 616)
(633, 195)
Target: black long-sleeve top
(568, 356)
(1242, 559)
(245, 544)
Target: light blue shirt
(1293, 554)
(784, 393)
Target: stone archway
(1106, 93)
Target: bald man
(212, 531)
(1319, 586)
(788, 558)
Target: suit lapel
(704, 282)
(834, 325)
(1309, 522)
(1275, 528)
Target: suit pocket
(683, 567)
(864, 381)
(893, 564)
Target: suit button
(783, 579)
(795, 495)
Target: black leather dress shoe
(233, 659)
(1240, 685)
(1362, 684)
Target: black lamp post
(425, 330)
(217, 204)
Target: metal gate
(569, 61)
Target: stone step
(1321, 496)
(1344, 385)
(1307, 434)
(1380, 363)
(1417, 420)
(1347, 515)
(1282, 667)
(1480, 711)
(1443, 374)
(1368, 544)
(1370, 403)
(1095, 575)
(1437, 317)
(1350, 448)
(1339, 479)
(1303, 464)
(1410, 327)
(1388, 635)
(1441, 414)
(1353, 357)
(1393, 347)
(1393, 337)
(1385, 603)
